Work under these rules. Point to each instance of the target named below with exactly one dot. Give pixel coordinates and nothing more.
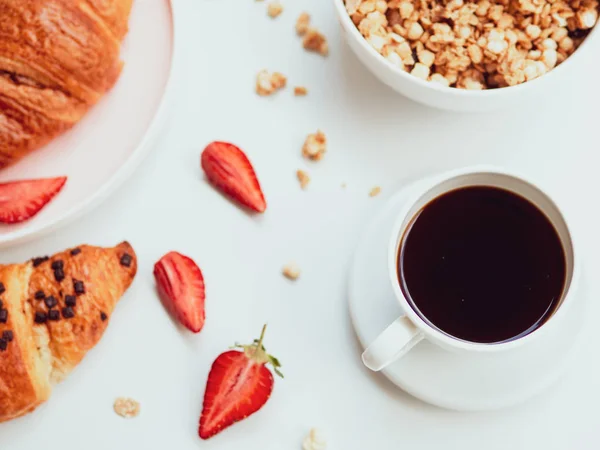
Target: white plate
(108, 144)
(439, 377)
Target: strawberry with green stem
(239, 384)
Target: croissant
(57, 59)
(52, 312)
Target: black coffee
(482, 264)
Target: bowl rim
(350, 28)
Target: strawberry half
(228, 168)
(21, 200)
(239, 384)
(181, 287)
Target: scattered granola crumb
(315, 146)
(300, 91)
(343, 185)
(267, 83)
(126, 407)
(274, 9)
(302, 24)
(291, 271)
(375, 191)
(303, 178)
(315, 42)
(314, 440)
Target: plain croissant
(52, 312)
(57, 59)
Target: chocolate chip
(3, 345)
(40, 317)
(39, 295)
(126, 260)
(79, 287)
(1, 304)
(68, 313)
(7, 335)
(75, 251)
(39, 260)
(3, 315)
(2, 288)
(70, 300)
(54, 315)
(103, 316)
(58, 264)
(59, 275)
(51, 301)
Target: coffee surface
(482, 264)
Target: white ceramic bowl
(435, 95)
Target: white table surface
(375, 138)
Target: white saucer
(439, 377)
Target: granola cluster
(475, 45)
(274, 9)
(267, 83)
(313, 40)
(303, 178)
(291, 271)
(315, 146)
(126, 407)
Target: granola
(126, 407)
(302, 24)
(314, 440)
(313, 40)
(274, 9)
(268, 83)
(316, 42)
(303, 178)
(315, 146)
(375, 191)
(477, 44)
(291, 271)
(300, 91)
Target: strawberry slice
(21, 200)
(181, 287)
(228, 168)
(239, 384)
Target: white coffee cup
(409, 329)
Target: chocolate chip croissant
(57, 59)
(52, 312)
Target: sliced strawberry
(228, 168)
(181, 287)
(239, 384)
(21, 200)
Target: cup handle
(395, 342)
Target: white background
(375, 138)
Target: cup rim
(437, 336)
(349, 27)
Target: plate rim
(118, 178)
